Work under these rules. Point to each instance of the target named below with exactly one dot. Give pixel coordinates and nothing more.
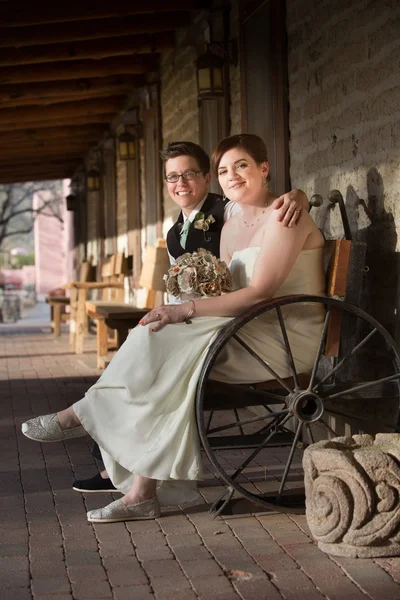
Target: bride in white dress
(141, 410)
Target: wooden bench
(303, 423)
(58, 301)
(111, 288)
(121, 317)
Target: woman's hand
(290, 206)
(165, 314)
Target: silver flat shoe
(47, 429)
(118, 511)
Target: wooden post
(122, 334)
(81, 318)
(72, 320)
(56, 310)
(102, 344)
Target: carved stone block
(353, 495)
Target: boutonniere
(201, 223)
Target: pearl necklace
(258, 218)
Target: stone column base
(353, 495)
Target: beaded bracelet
(190, 314)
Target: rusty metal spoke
(288, 348)
(210, 416)
(263, 363)
(289, 460)
(310, 433)
(247, 421)
(281, 421)
(344, 360)
(320, 349)
(363, 386)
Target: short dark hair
(175, 149)
(252, 144)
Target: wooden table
(119, 316)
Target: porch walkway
(48, 550)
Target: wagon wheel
(358, 392)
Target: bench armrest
(96, 285)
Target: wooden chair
(121, 317)
(111, 287)
(58, 301)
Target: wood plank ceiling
(65, 73)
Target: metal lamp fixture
(71, 202)
(127, 146)
(93, 180)
(210, 69)
(210, 76)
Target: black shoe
(94, 484)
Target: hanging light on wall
(210, 76)
(210, 69)
(127, 146)
(71, 202)
(93, 180)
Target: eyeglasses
(187, 176)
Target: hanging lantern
(210, 78)
(93, 180)
(71, 202)
(127, 146)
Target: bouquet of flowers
(198, 274)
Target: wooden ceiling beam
(26, 146)
(38, 159)
(37, 35)
(12, 177)
(110, 86)
(59, 111)
(62, 71)
(52, 149)
(52, 134)
(103, 119)
(41, 171)
(40, 164)
(88, 49)
(17, 16)
(37, 102)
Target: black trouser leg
(96, 452)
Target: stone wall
(179, 110)
(92, 222)
(234, 77)
(122, 207)
(344, 89)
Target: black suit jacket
(197, 238)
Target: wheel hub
(306, 406)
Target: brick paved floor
(48, 550)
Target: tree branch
(12, 199)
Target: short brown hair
(175, 149)
(252, 144)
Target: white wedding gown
(141, 411)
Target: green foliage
(16, 262)
(20, 261)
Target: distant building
(53, 248)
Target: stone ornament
(353, 495)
